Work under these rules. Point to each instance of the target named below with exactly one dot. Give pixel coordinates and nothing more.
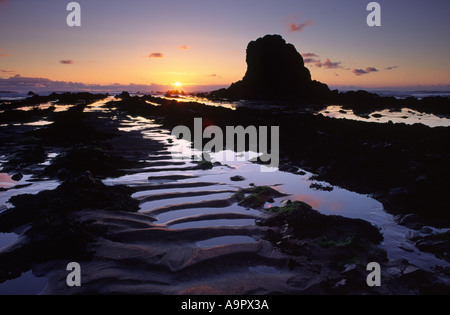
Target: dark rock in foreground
(438, 244)
(300, 221)
(82, 192)
(237, 178)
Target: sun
(177, 84)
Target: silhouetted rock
(124, 95)
(276, 71)
(438, 244)
(237, 178)
(412, 221)
(17, 177)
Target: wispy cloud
(311, 60)
(23, 84)
(156, 55)
(184, 47)
(368, 70)
(213, 75)
(391, 68)
(1, 54)
(295, 27)
(66, 62)
(7, 73)
(309, 55)
(328, 64)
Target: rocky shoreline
(123, 251)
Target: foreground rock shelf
(116, 233)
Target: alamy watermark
(73, 279)
(374, 277)
(74, 17)
(374, 17)
(235, 139)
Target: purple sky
(202, 42)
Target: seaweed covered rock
(81, 158)
(309, 223)
(256, 197)
(82, 192)
(70, 127)
(305, 231)
(25, 157)
(133, 105)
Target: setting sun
(178, 84)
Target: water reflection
(318, 202)
(6, 180)
(205, 101)
(26, 284)
(406, 116)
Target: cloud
(309, 55)
(368, 70)
(294, 27)
(328, 64)
(3, 55)
(311, 60)
(23, 85)
(359, 71)
(391, 68)
(184, 47)
(44, 85)
(66, 62)
(7, 71)
(156, 55)
(213, 75)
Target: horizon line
(20, 84)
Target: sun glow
(177, 84)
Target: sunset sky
(203, 42)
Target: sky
(202, 43)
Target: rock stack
(275, 71)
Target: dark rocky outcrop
(257, 196)
(438, 244)
(78, 193)
(275, 71)
(303, 222)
